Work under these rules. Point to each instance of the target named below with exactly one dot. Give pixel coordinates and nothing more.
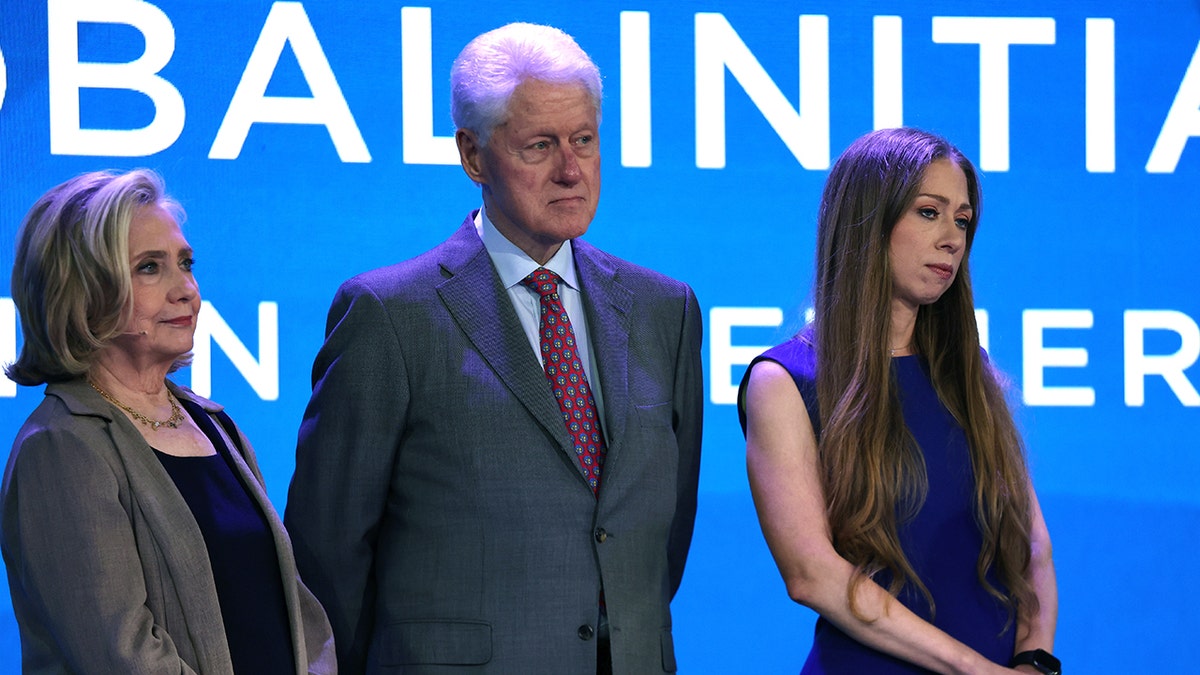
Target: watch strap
(1044, 661)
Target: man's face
(540, 170)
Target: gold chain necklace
(892, 351)
(172, 421)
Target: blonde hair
(71, 277)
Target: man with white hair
(497, 471)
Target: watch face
(1047, 663)
(1041, 659)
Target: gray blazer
(438, 510)
(108, 570)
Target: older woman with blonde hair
(136, 530)
(888, 474)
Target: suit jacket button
(586, 632)
(601, 534)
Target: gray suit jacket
(108, 570)
(438, 509)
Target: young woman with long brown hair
(889, 477)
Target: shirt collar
(513, 264)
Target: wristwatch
(1041, 659)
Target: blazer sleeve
(72, 557)
(319, 647)
(347, 444)
(688, 419)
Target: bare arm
(781, 457)
(1037, 631)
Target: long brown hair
(872, 471)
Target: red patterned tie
(568, 381)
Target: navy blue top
(242, 552)
(942, 542)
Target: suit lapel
(608, 305)
(480, 306)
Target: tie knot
(542, 281)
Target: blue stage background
(1082, 116)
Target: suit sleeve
(73, 567)
(344, 455)
(688, 419)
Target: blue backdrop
(310, 141)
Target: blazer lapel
(250, 476)
(608, 304)
(481, 308)
(177, 536)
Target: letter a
(1182, 124)
(287, 22)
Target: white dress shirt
(513, 265)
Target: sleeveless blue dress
(942, 542)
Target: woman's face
(928, 242)
(166, 299)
